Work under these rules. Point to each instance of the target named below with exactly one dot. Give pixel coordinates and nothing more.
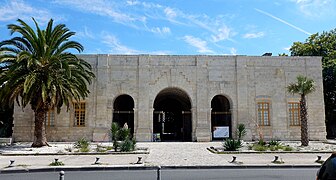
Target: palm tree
(303, 87)
(38, 68)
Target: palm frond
(303, 86)
(39, 68)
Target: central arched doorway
(172, 116)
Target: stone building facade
(187, 98)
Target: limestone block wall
(266, 79)
(243, 80)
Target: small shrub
(231, 145)
(127, 145)
(261, 142)
(275, 148)
(259, 147)
(82, 143)
(274, 143)
(56, 163)
(288, 148)
(84, 149)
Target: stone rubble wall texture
(243, 80)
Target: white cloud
(283, 21)
(198, 43)
(215, 26)
(143, 15)
(316, 8)
(287, 48)
(222, 34)
(16, 9)
(233, 51)
(116, 46)
(253, 35)
(150, 5)
(170, 13)
(85, 33)
(134, 17)
(161, 31)
(103, 8)
(132, 2)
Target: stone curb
(267, 152)
(61, 154)
(109, 168)
(138, 151)
(146, 151)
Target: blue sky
(187, 27)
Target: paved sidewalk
(165, 154)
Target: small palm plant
(232, 144)
(115, 135)
(241, 131)
(303, 87)
(121, 138)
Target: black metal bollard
(276, 158)
(139, 160)
(233, 159)
(319, 158)
(11, 162)
(97, 160)
(159, 173)
(61, 175)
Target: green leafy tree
(283, 54)
(324, 45)
(303, 87)
(38, 68)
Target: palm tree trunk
(40, 138)
(304, 123)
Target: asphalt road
(173, 174)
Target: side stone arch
(123, 111)
(221, 117)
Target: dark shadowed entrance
(123, 111)
(220, 118)
(172, 115)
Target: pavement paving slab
(164, 154)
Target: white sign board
(221, 132)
